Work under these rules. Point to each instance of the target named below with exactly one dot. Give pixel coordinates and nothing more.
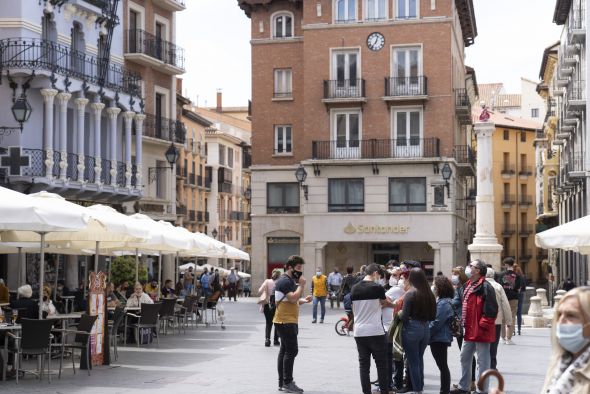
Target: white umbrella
(23, 213)
(236, 254)
(572, 236)
(244, 275)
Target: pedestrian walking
(319, 289)
(569, 284)
(440, 330)
(268, 289)
(504, 315)
(348, 281)
(479, 312)
(419, 309)
(288, 292)
(334, 284)
(232, 283)
(188, 279)
(368, 297)
(511, 282)
(521, 296)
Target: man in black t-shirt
(368, 298)
(511, 282)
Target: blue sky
(216, 37)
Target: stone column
(213, 197)
(139, 118)
(485, 245)
(319, 257)
(48, 99)
(128, 119)
(113, 112)
(436, 263)
(168, 268)
(62, 99)
(72, 272)
(97, 110)
(80, 108)
(448, 256)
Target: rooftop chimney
(219, 101)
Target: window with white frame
(283, 140)
(407, 70)
(375, 10)
(407, 132)
(407, 194)
(534, 112)
(283, 83)
(345, 11)
(406, 9)
(282, 25)
(346, 74)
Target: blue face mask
(468, 272)
(571, 337)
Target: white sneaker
(509, 342)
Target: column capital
(139, 117)
(48, 93)
(113, 112)
(128, 115)
(81, 103)
(64, 97)
(97, 107)
(484, 129)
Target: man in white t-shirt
(368, 297)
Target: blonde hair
(582, 294)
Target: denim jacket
(440, 330)
(457, 301)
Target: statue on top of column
(485, 114)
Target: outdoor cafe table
(64, 317)
(6, 327)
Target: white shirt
(335, 279)
(366, 307)
(387, 313)
(135, 301)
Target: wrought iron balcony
(465, 158)
(577, 22)
(408, 87)
(525, 230)
(405, 148)
(105, 175)
(191, 215)
(72, 169)
(524, 201)
(507, 169)
(576, 94)
(89, 163)
(463, 106)
(525, 171)
(508, 199)
(121, 170)
(344, 90)
(38, 54)
(191, 179)
(200, 216)
(140, 41)
(164, 129)
(508, 230)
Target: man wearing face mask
(368, 297)
(334, 285)
(288, 292)
(319, 289)
(569, 368)
(479, 312)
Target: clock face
(376, 41)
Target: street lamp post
(301, 176)
(214, 233)
(447, 172)
(171, 157)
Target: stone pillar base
(489, 253)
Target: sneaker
(322, 320)
(314, 321)
(267, 343)
(509, 342)
(292, 388)
(459, 391)
(276, 343)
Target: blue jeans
(521, 296)
(483, 363)
(415, 338)
(322, 301)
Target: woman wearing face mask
(392, 294)
(440, 330)
(569, 369)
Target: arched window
(282, 25)
(78, 48)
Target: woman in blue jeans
(419, 309)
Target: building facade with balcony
(227, 175)
(149, 49)
(191, 193)
(372, 100)
(83, 136)
(571, 141)
(515, 184)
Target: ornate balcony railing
(406, 86)
(525, 230)
(192, 215)
(191, 179)
(134, 175)
(89, 162)
(403, 148)
(121, 170)
(158, 127)
(140, 41)
(38, 54)
(508, 199)
(463, 154)
(344, 89)
(508, 229)
(105, 175)
(72, 170)
(577, 91)
(36, 166)
(56, 160)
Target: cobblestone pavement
(234, 361)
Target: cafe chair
(147, 319)
(81, 341)
(185, 312)
(34, 340)
(167, 314)
(118, 318)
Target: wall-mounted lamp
(447, 172)
(301, 175)
(171, 157)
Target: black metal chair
(148, 319)
(167, 314)
(35, 340)
(185, 312)
(118, 318)
(81, 341)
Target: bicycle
(344, 325)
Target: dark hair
(425, 301)
(349, 270)
(372, 268)
(444, 287)
(509, 261)
(481, 266)
(294, 260)
(439, 273)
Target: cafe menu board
(97, 307)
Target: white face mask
(393, 281)
(468, 272)
(401, 283)
(381, 282)
(318, 273)
(455, 280)
(571, 337)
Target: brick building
(371, 100)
